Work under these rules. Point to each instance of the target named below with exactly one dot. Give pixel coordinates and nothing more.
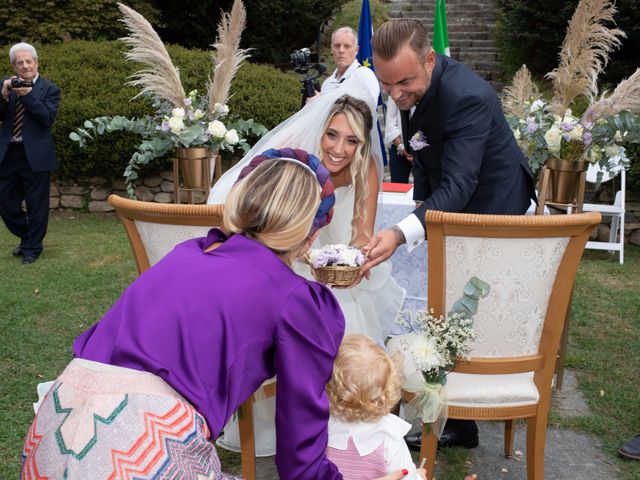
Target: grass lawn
(87, 263)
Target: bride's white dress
(370, 308)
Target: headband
(310, 162)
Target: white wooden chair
(153, 230)
(616, 211)
(530, 263)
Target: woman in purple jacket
(194, 337)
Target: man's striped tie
(17, 121)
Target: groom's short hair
(391, 36)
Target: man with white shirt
(28, 107)
(465, 157)
(349, 72)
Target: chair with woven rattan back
(153, 230)
(530, 263)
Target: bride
(338, 127)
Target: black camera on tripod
(303, 61)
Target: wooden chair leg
(509, 434)
(428, 450)
(536, 435)
(564, 341)
(247, 440)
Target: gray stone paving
(568, 455)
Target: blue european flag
(365, 54)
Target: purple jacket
(215, 325)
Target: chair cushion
(489, 391)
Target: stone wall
(91, 193)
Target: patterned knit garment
(353, 466)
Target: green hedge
(92, 77)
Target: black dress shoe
(457, 433)
(631, 448)
(17, 252)
(413, 441)
(28, 259)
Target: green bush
(92, 77)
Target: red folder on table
(396, 187)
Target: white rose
(576, 132)
(516, 133)
(221, 108)
(231, 137)
(553, 137)
(217, 129)
(611, 151)
(535, 106)
(178, 112)
(618, 136)
(176, 124)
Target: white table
(409, 269)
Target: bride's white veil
(302, 130)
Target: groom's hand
(380, 247)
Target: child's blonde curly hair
(365, 384)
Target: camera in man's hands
(302, 61)
(18, 83)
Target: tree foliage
(58, 20)
(532, 33)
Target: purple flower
(587, 138)
(164, 126)
(325, 257)
(187, 102)
(566, 137)
(531, 125)
(418, 141)
(566, 127)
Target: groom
(465, 157)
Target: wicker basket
(339, 276)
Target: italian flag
(440, 39)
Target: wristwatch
(400, 148)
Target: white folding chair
(616, 211)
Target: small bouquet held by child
(430, 346)
(336, 265)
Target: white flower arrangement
(430, 347)
(336, 255)
(578, 122)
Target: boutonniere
(418, 141)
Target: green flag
(440, 36)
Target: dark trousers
(399, 166)
(17, 183)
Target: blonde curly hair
(365, 384)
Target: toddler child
(365, 440)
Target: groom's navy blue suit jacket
(41, 107)
(472, 162)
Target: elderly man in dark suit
(465, 157)
(28, 108)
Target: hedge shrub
(92, 77)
